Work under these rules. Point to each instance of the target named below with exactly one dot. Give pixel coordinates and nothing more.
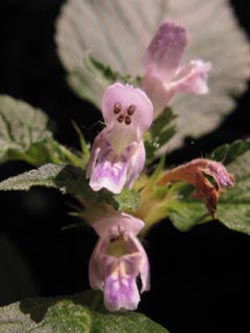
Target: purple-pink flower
(164, 76)
(117, 260)
(118, 153)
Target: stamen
(120, 237)
(131, 109)
(114, 239)
(120, 118)
(117, 108)
(128, 120)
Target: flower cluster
(118, 157)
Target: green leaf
(71, 180)
(25, 135)
(106, 75)
(234, 205)
(117, 35)
(185, 212)
(161, 131)
(44, 176)
(82, 313)
(228, 152)
(84, 146)
(21, 127)
(127, 201)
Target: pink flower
(118, 153)
(163, 74)
(117, 260)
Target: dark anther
(127, 120)
(114, 239)
(131, 109)
(120, 118)
(120, 237)
(117, 108)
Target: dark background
(200, 279)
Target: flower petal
(118, 221)
(94, 156)
(136, 164)
(128, 108)
(120, 291)
(107, 169)
(144, 268)
(164, 53)
(192, 78)
(111, 175)
(158, 92)
(111, 170)
(96, 278)
(220, 174)
(121, 294)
